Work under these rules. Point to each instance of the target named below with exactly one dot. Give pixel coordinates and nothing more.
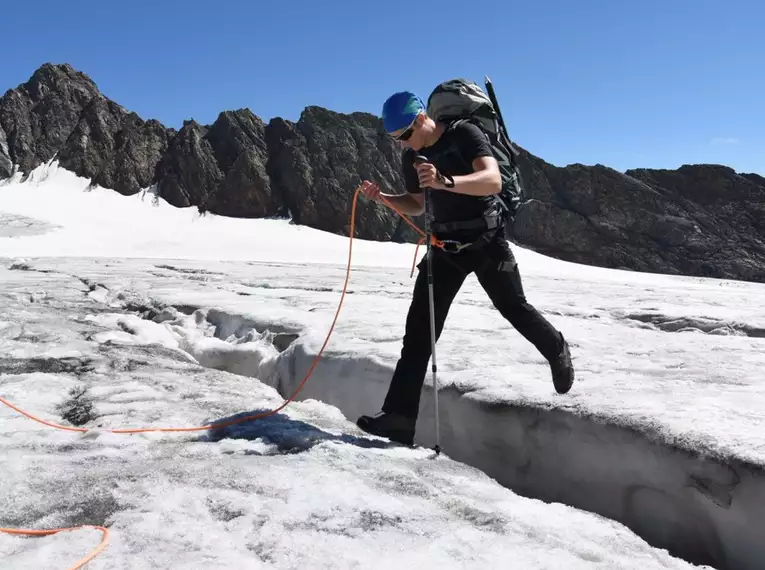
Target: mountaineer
(465, 181)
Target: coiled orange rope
(105, 532)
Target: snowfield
(123, 312)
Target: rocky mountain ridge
(704, 220)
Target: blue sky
(625, 83)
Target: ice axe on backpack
(502, 128)
(419, 159)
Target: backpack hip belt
(489, 221)
(489, 224)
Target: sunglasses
(407, 134)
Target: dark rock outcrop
(89, 147)
(114, 148)
(6, 164)
(60, 113)
(317, 163)
(704, 220)
(138, 147)
(238, 139)
(188, 171)
(39, 116)
(220, 168)
(728, 210)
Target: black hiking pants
(497, 272)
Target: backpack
(457, 100)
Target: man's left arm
(485, 179)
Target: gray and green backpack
(457, 100)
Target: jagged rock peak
(55, 77)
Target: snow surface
(679, 357)
(303, 489)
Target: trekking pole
(429, 253)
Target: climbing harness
(431, 242)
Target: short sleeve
(473, 142)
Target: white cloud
(724, 140)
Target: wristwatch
(446, 180)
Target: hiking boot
(393, 426)
(562, 369)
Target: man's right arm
(409, 204)
(412, 201)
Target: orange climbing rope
(435, 242)
(82, 562)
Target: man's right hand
(371, 190)
(409, 204)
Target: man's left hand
(428, 176)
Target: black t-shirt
(453, 154)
